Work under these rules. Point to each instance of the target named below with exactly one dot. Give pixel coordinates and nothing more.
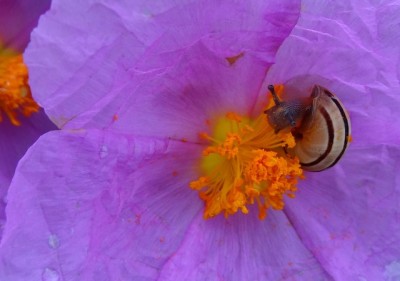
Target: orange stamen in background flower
(15, 93)
(245, 163)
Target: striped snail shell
(320, 125)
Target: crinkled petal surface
(349, 216)
(14, 142)
(243, 248)
(154, 69)
(90, 205)
(17, 19)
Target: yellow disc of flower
(245, 163)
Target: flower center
(15, 93)
(245, 163)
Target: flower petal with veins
(133, 54)
(111, 205)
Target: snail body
(320, 125)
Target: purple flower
(132, 85)
(17, 19)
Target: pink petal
(14, 142)
(179, 102)
(105, 59)
(350, 218)
(243, 248)
(91, 205)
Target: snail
(320, 125)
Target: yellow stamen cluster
(15, 94)
(244, 164)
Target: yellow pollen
(15, 93)
(245, 163)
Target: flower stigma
(15, 93)
(245, 163)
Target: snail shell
(324, 130)
(323, 136)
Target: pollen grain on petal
(200, 183)
(232, 60)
